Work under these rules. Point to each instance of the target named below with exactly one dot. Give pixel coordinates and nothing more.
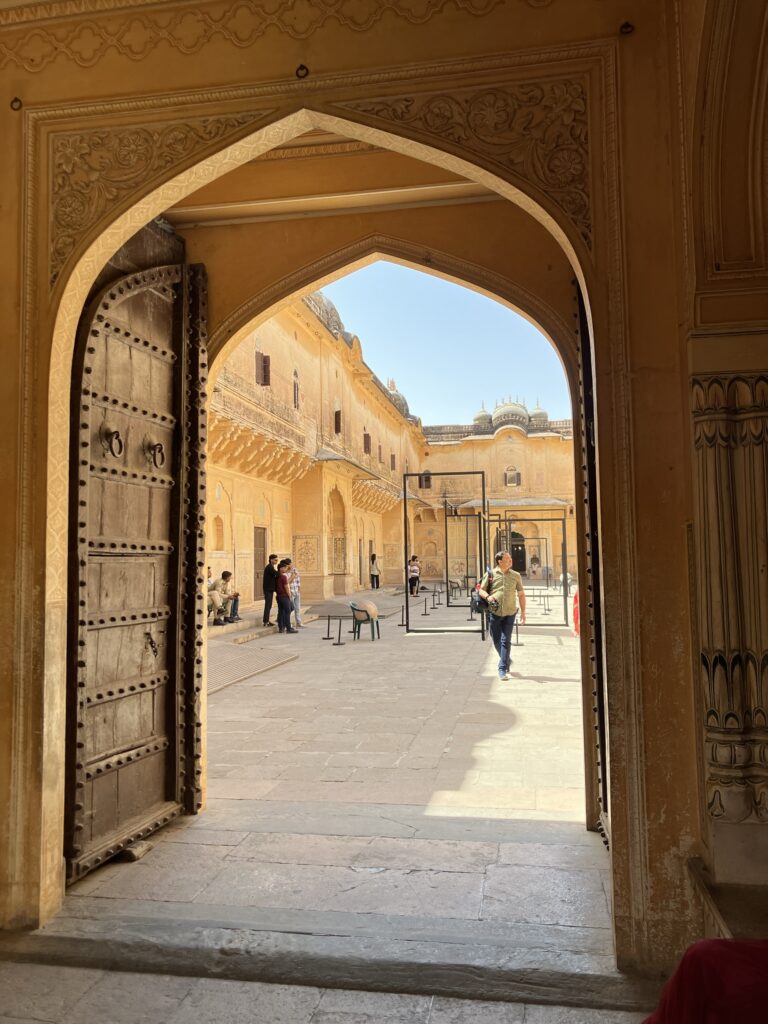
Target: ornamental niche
(730, 417)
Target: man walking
(503, 589)
(269, 586)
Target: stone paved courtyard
(383, 803)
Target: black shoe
(219, 622)
(291, 631)
(281, 631)
(229, 619)
(236, 618)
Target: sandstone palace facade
(308, 448)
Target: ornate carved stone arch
(282, 113)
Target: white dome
(510, 412)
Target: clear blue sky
(448, 348)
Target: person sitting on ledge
(215, 601)
(231, 597)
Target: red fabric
(718, 981)
(283, 589)
(576, 613)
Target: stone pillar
(730, 422)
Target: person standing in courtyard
(283, 592)
(269, 586)
(503, 589)
(294, 585)
(374, 573)
(414, 573)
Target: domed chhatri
(327, 314)
(512, 413)
(483, 418)
(539, 416)
(397, 398)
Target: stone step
(209, 947)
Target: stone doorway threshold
(384, 816)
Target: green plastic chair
(361, 615)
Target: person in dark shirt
(269, 586)
(284, 606)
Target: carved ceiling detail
(191, 27)
(93, 172)
(538, 131)
(730, 417)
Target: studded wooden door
(136, 561)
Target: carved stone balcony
(252, 431)
(374, 495)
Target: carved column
(730, 417)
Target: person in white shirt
(414, 572)
(294, 585)
(374, 570)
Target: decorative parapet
(730, 427)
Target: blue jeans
(500, 627)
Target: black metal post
(405, 551)
(339, 642)
(566, 585)
(328, 630)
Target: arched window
(512, 477)
(295, 389)
(218, 533)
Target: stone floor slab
(233, 1002)
(43, 993)
(130, 999)
(353, 890)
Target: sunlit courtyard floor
(390, 802)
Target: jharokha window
(262, 370)
(512, 477)
(295, 389)
(366, 442)
(218, 533)
(337, 422)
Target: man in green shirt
(505, 595)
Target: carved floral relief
(94, 171)
(188, 29)
(537, 130)
(730, 416)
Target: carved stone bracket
(537, 130)
(730, 420)
(93, 172)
